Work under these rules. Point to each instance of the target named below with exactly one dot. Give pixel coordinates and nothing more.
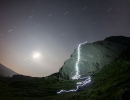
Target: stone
(94, 56)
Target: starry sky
(54, 28)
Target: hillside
(6, 72)
(112, 82)
(94, 56)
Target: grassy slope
(111, 83)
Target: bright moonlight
(36, 55)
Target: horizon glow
(77, 76)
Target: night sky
(54, 28)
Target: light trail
(79, 84)
(77, 76)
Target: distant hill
(6, 72)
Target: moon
(36, 55)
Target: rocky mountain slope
(94, 56)
(6, 72)
(111, 82)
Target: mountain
(109, 82)
(6, 72)
(94, 56)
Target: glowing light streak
(9, 30)
(77, 75)
(79, 84)
(26, 58)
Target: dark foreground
(111, 83)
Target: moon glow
(36, 55)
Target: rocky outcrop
(94, 56)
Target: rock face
(94, 56)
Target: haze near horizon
(37, 36)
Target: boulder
(94, 56)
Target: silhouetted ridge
(119, 39)
(6, 72)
